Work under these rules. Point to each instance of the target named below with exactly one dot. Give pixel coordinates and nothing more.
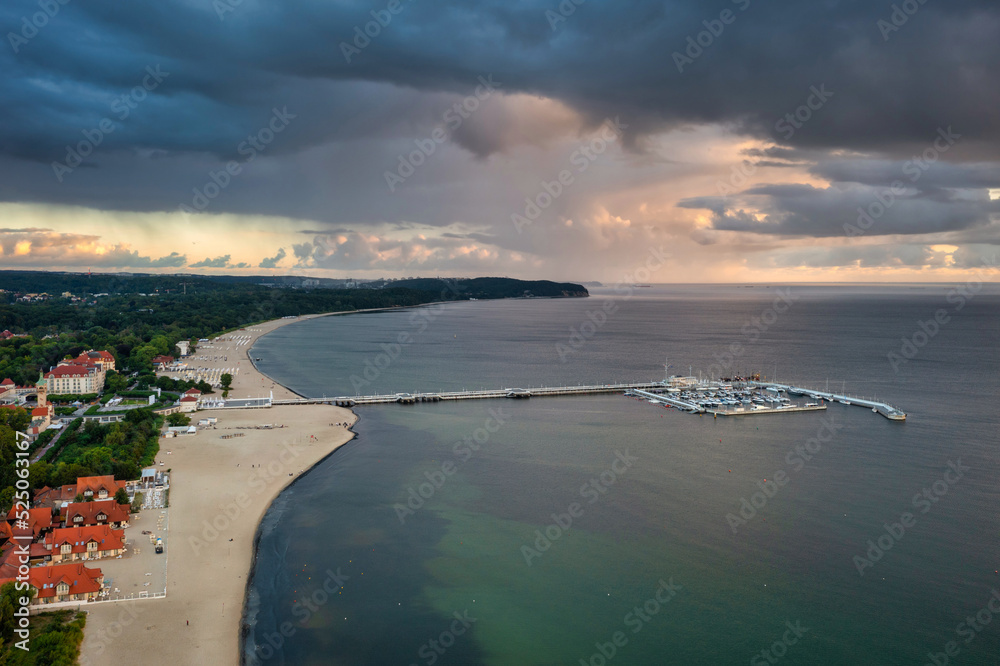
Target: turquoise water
(661, 519)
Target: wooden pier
(512, 393)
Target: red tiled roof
(46, 496)
(69, 371)
(192, 391)
(9, 563)
(80, 579)
(91, 356)
(78, 537)
(40, 411)
(96, 483)
(39, 520)
(7, 382)
(112, 511)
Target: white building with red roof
(189, 400)
(81, 375)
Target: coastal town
(179, 532)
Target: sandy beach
(220, 490)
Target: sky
(583, 140)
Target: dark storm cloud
(915, 196)
(221, 78)
(607, 58)
(804, 210)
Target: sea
(604, 529)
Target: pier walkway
(515, 393)
(673, 402)
(645, 390)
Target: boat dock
(886, 410)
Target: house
(89, 487)
(10, 562)
(98, 512)
(98, 487)
(38, 523)
(65, 582)
(41, 418)
(11, 393)
(162, 362)
(84, 543)
(189, 400)
(54, 497)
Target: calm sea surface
(440, 511)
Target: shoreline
(216, 512)
(300, 318)
(245, 627)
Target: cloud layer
(747, 125)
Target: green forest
(55, 636)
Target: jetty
(483, 394)
(679, 392)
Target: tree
(178, 419)
(137, 502)
(226, 380)
(9, 600)
(165, 383)
(115, 382)
(78, 498)
(121, 496)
